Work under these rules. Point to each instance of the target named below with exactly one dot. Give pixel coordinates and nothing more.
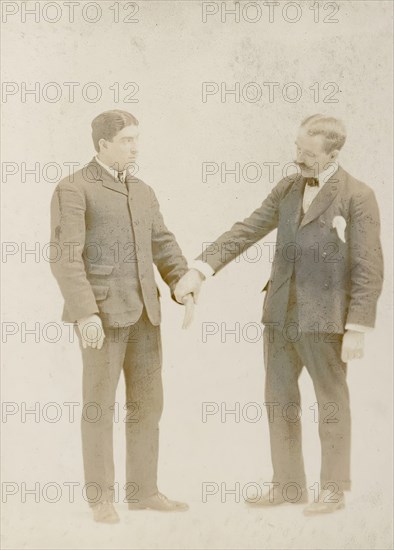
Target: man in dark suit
(320, 300)
(107, 232)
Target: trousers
(286, 352)
(135, 350)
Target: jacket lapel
(290, 215)
(291, 208)
(324, 198)
(98, 173)
(137, 201)
(133, 189)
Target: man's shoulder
(77, 180)
(144, 189)
(352, 185)
(142, 185)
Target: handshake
(186, 292)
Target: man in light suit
(107, 232)
(320, 300)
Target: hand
(190, 283)
(352, 345)
(189, 311)
(92, 332)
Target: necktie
(123, 180)
(121, 177)
(312, 182)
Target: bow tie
(312, 182)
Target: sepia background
(153, 58)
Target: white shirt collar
(327, 173)
(112, 171)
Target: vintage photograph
(151, 399)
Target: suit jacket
(103, 237)
(335, 282)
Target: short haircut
(106, 125)
(331, 128)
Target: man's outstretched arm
(232, 243)
(166, 252)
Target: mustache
(301, 165)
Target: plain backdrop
(169, 53)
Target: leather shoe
(327, 504)
(160, 503)
(104, 512)
(276, 497)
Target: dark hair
(106, 125)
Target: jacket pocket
(100, 269)
(100, 292)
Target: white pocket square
(339, 223)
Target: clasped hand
(187, 291)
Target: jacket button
(324, 254)
(322, 223)
(326, 285)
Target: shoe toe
(181, 506)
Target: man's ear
(102, 144)
(334, 154)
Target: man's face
(311, 156)
(122, 150)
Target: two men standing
(325, 282)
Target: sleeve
(244, 234)
(366, 260)
(357, 328)
(167, 254)
(204, 268)
(67, 244)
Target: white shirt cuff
(358, 328)
(202, 267)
